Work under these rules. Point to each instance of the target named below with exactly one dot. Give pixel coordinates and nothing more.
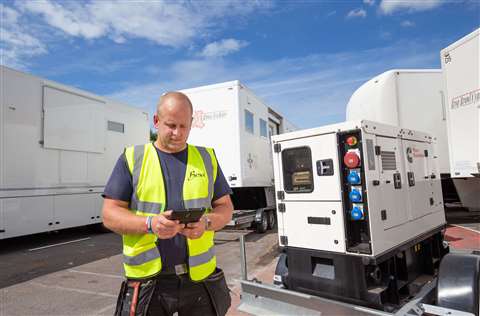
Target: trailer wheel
(262, 226)
(271, 220)
(459, 282)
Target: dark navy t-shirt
(174, 165)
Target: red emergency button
(351, 159)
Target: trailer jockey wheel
(271, 220)
(459, 282)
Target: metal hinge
(280, 195)
(284, 240)
(281, 207)
(377, 150)
(277, 148)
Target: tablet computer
(189, 215)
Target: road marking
(103, 310)
(467, 228)
(99, 274)
(59, 244)
(56, 287)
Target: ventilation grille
(388, 160)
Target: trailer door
(309, 186)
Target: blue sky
(304, 58)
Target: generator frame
(267, 299)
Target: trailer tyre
(459, 282)
(271, 220)
(262, 226)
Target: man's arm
(119, 219)
(221, 213)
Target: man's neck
(166, 150)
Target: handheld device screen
(190, 215)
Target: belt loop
(181, 269)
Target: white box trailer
(58, 146)
(230, 118)
(440, 103)
(461, 69)
(410, 98)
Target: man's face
(173, 125)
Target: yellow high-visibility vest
(141, 256)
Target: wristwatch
(208, 223)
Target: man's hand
(194, 230)
(165, 228)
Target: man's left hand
(194, 230)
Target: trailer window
(263, 128)
(116, 127)
(297, 170)
(249, 121)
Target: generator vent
(388, 160)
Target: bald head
(174, 99)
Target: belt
(179, 269)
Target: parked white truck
(238, 125)
(58, 146)
(444, 103)
(461, 69)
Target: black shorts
(169, 293)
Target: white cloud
(17, 41)
(407, 23)
(357, 13)
(163, 22)
(369, 2)
(223, 47)
(391, 6)
(385, 35)
(310, 91)
(329, 14)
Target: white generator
(360, 211)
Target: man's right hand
(165, 228)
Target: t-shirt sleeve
(221, 186)
(119, 185)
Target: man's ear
(155, 120)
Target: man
(170, 267)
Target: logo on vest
(195, 174)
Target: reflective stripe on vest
(141, 255)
